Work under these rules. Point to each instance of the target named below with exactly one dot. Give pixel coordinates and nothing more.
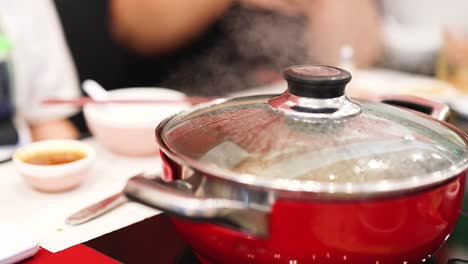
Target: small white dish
(16, 243)
(381, 81)
(54, 177)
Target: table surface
(44, 213)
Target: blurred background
(49, 49)
(216, 48)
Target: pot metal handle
(437, 110)
(170, 197)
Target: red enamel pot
(310, 176)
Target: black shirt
(219, 61)
(6, 108)
(8, 133)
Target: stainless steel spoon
(108, 204)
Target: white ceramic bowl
(128, 129)
(54, 178)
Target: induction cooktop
(455, 250)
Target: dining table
(131, 233)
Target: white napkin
(45, 213)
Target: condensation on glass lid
(383, 142)
(388, 160)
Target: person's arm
(159, 26)
(55, 129)
(334, 23)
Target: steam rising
(245, 40)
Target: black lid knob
(316, 81)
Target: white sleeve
(41, 62)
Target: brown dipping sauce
(56, 157)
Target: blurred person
(41, 67)
(229, 41)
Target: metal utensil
(96, 209)
(81, 101)
(106, 205)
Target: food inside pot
(314, 166)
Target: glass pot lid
(314, 138)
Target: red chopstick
(81, 101)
